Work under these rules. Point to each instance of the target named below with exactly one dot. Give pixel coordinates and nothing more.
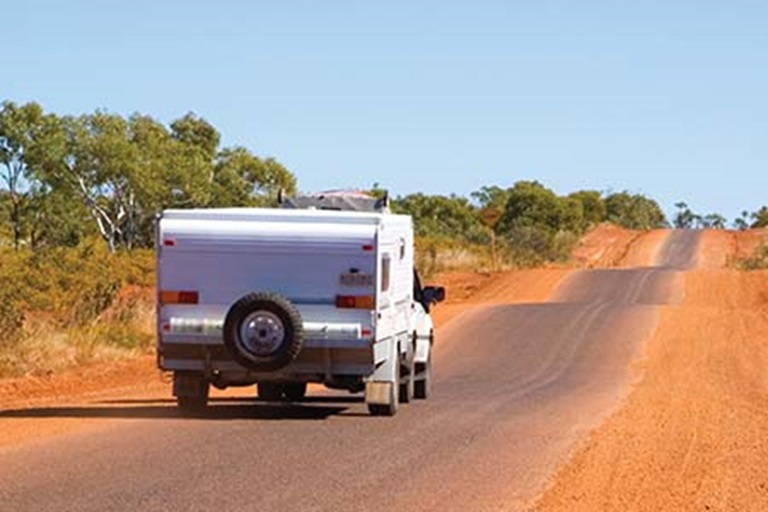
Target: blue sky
(667, 98)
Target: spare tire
(263, 331)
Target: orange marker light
(355, 302)
(179, 297)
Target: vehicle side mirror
(433, 294)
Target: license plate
(349, 279)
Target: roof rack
(341, 200)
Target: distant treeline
(526, 223)
(67, 178)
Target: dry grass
(43, 348)
(73, 306)
(436, 258)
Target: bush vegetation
(78, 195)
(62, 306)
(524, 225)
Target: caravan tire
(269, 391)
(295, 391)
(263, 331)
(191, 391)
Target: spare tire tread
(292, 323)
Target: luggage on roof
(342, 200)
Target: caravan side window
(386, 271)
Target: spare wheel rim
(261, 333)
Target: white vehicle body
(348, 280)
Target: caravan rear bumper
(317, 360)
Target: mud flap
(382, 388)
(423, 348)
(188, 384)
(379, 393)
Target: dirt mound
(723, 249)
(609, 246)
(511, 287)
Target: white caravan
(283, 297)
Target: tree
(55, 220)
(742, 223)
(449, 217)
(30, 141)
(64, 177)
(538, 224)
(19, 126)
(195, 131)
(593, 206)
(242, 179)
(171, 172)
(530, 204)
(273, 177)
(175, 173)
(571, 215)
(102, 167)
(634, 211)
(492, 201)
(685, 218)
(124, 171)
(760, 218)
(714, 221)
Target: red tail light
(179, 297)
(355, 302)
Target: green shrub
(136, 267)
(563, 243)
(531, 246)
(527, 246)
